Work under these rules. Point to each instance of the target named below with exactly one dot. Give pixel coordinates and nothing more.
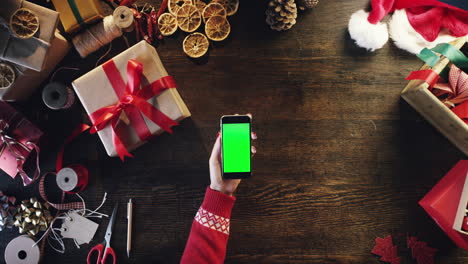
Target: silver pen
(129, 226)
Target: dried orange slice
(195, 45)
(24, 23)
(174, 5)
(167, 23)
(231, 6)
(217, 28)
(200, 5)
(213, 9)
(7, 75)
(188, 18)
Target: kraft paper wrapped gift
(75, 14)
(95, 92)
(30, 53)
(28, 80)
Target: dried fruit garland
(188, 15)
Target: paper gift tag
(78, 227)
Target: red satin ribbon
(81, 170)
(429, 76)
(133, 101)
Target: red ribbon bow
(133, 101)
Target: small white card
(78, 227)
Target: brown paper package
(28, 80)
(30, 53)
(95, 92)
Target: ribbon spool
(58, 96)
(72, 179)
(22, 250)
(123, 18)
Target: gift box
(30, 53)
(126, 117)
(460, 223)
(76, 14)
(418, 94)
(28, 80)
(18, 138)
(442, 202)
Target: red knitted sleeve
(210, 230)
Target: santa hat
(416, 24)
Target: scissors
(104, 249)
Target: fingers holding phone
(231, 156)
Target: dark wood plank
(341, 159)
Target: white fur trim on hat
(405, 37)
(365, 34)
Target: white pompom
(365, 34)
(406, 38)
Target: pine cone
(281, 14)
(306, 4)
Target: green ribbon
(453, 54)
(76, 12)
(430, 57)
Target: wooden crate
(417, 94)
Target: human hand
(226, 186)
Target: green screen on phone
(236, 147)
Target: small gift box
(420, 95)
(442, 203)
(75, 14)
(111, 93)
(27, 80)
(31, 52)
(18, 138)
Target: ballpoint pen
(129, 226)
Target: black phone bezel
(234, 119)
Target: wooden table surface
(341, 158)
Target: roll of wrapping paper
(72, 179)
(22, 250)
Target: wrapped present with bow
(18, 83)
(439, 90)
(18, 139)
(26, 30)
(76, 14)
(130, 98)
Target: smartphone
(235, 146)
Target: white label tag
(78, 227)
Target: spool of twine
(97, 36)
(123, 18)
(58, 96)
